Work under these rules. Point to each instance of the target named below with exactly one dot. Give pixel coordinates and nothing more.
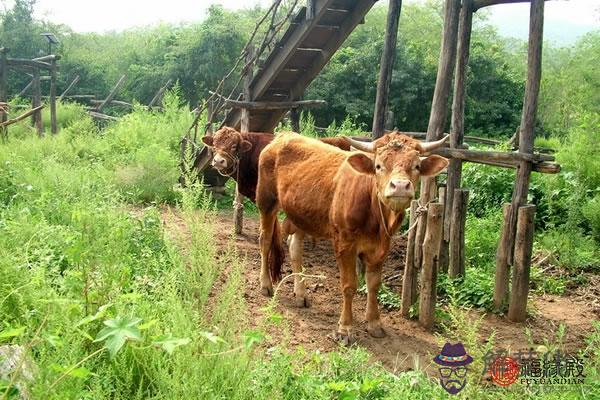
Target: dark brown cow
(355, 199)
(236, 154)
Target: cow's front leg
(296, 243)
(373, 278)
(347, 265)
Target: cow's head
(397, 162)
(227, 146)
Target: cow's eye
(418, 167)
(378, 167)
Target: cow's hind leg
(296, 251)
(267, 221)
(373, 278)
(348, 283)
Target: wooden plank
(409, 281)
(527, 127)
(517, 309)
(502, 267)
(334, 16)
(386, 66)
(23, 62)
(3, 81)
(102, 116)
(20, 117)
(68, 89)
(49, 58)
(268, 105)
(310, 9)
(458, 218)
(112, 94)
(431, 247)
(159, 95)
(477, 4)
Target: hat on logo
(453, 355)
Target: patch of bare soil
(407, 345)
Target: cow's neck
(389, 220)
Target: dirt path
(406, 345)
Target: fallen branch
(21, 117)
(98, 115)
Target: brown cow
(355, 199)
(235, 154)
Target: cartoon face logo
(453, 361)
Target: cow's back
(302, 173)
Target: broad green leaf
(168, 343)
(117, 332)
(253, 337)
(11, 333)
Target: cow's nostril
(407, 186)
(392, 186)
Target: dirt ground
(407, 345)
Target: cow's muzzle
(399, 189)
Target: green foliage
(476, 289)
(386, 297)
(117, 332)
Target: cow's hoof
(377, 332)
(267, 291)
(303, 302)
(345, 338)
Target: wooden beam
(458, 218)
(71, 85)
(478, 4)
(159, 95)
(386, 67)
(276, 105)
(310, 10)
(102, 116)
(19, 62)
(528, 117)
(409, 282)
(3, 81)
(36, 102)
(20, 117)
(112, 94)
(494, 156)
(48, 58)
(517, 309)
(115, 102)
(431, 248)
(53, 119)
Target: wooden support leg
(517, 310)
(457, 233)
(431, 247)
(409, 282)
(502, 256)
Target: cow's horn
(430, 146)
(368, 147)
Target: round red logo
(505, 371)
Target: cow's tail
(276, 254)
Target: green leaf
(9, 391)
(80, 372)
(211, 337)
(148, 324)
(11, 333)
(117, 332)
(168, 343)
(91, 318)
(253, 337)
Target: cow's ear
(245, 146)
(361, 163)
(433, 165)
(207, 140)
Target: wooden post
(389, 120)
(238, 203)
(53, 119)
(310, 10)
(431, 247)
(458, 219)
(159, 95)
(527, 129)
(458, 114)
(409, 282)
(295, 119)
(502, 266)
(112, 94)
(3, 81)
(386, 67)
(71, 85)
(439, 105)
(36, 102)
(517, 310)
